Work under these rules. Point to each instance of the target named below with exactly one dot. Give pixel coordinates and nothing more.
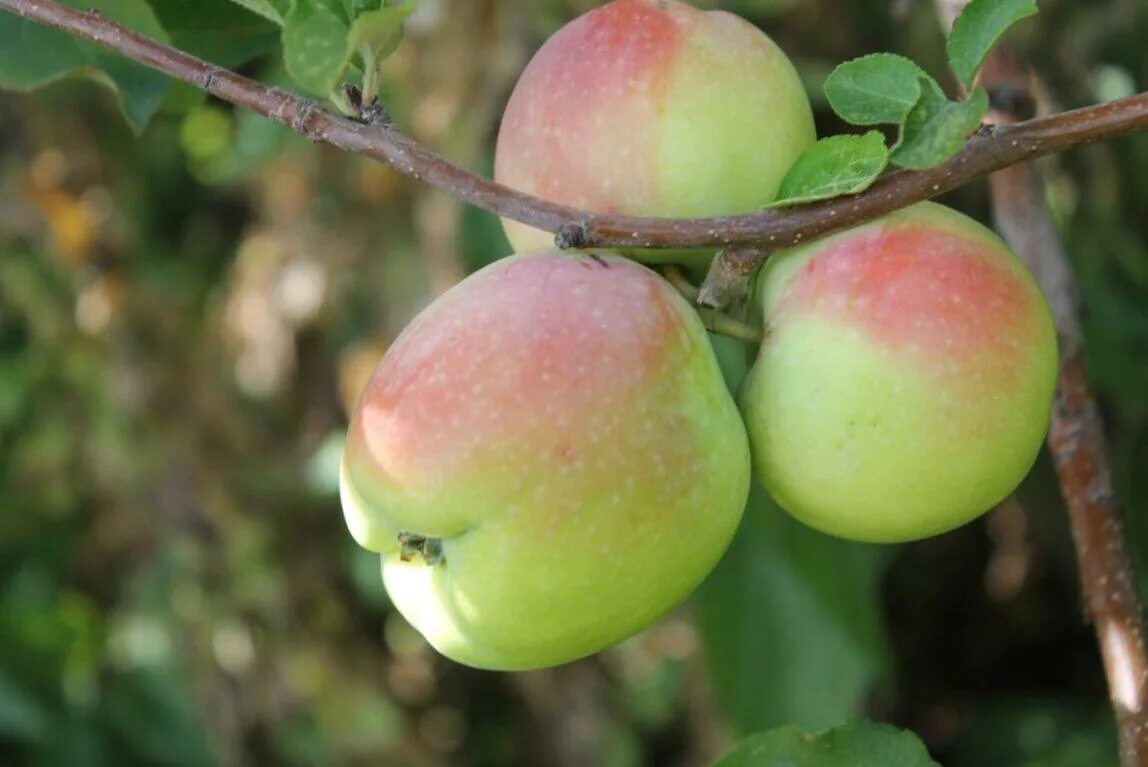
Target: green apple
(548, 460)
(653, 108)
(905, 382)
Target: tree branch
(989, 150)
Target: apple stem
(730, 273)
(714, 320)
(681, 283)
(724, 325)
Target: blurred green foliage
(186, 314)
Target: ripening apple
(905, 382)
(652, 108)
(548, 460)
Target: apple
(547, 459)
(905, 382)
(652, 108)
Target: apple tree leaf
(834, 166)
(875, 89)
(977, 30)
(322, 38)
(33, 55)
(272, 10)
(219, 31)
(854, 744)
(936, 128)
(380, 30)
(791, 623)
(362, 6)
(315, 44)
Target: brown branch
(730, 273)
(1076, 439)
(988, 151)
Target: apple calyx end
(413, 545)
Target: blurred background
(187, 314)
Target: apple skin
(560, 423)
(652, 108)
(905, 383)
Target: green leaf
(381, 30)
(219, 31)
(875, 89)
(936, 129)
(791, 621)
(977, 30)
(315, 45)
(32, 56)
(322, 37)
(216, 30)
(856, 744)
(272, 10)
(834, 166)
(362, 6)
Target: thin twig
(681, 283)
(988, 151)
(724, 325)
(713, 319)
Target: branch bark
(989, 150)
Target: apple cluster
(548, 458)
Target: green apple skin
(652, 108)
(905, 382)
(561, 424)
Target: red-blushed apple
(905, 382)
(653, 108)
(548, 460)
